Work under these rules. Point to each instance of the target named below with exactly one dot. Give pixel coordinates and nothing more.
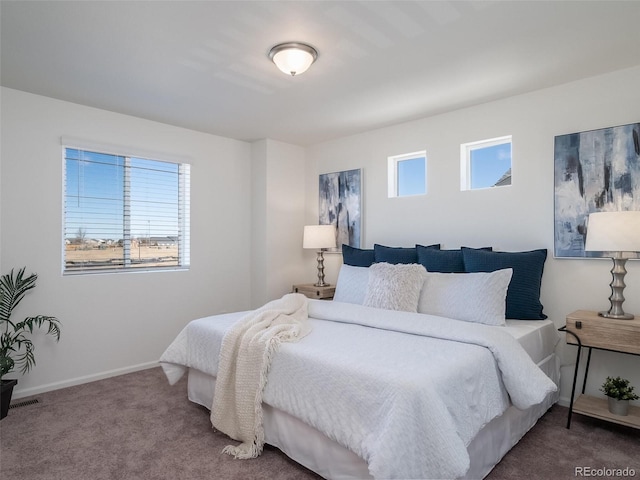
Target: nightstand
(311, 291)
(588, 330)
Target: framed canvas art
(340, 204)
(594, 171)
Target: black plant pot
(6, 390)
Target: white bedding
(245, 359)
(397, 394)
(332, 461)
(539, 338)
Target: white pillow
(472, 297)
(395, 287)
(351, 286)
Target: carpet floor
(137, 427)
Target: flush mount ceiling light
(293, 58)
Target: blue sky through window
(154, 198)
(489, 164)
(95, 198)
(411, 176)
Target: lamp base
(623, 316)
(617, 290)
(320, 282)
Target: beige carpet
(136, 426)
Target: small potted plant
(619, 392)
(16, 350)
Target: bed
(377, 392)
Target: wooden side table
(588, 330)
(311, 291)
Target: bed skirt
(333, 461)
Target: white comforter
(390, 386)
(245, 359)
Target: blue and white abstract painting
(595, 171)
(340, 195)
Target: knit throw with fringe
(245, 358)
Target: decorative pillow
(351, 286)
(472, 297)
(394, 287)
(357, 257)
(523, 295)
(444, 261)
(395, 255)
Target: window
(408, 174)
(485, 164)
(123, 213)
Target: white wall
(113, 323)
(278, 190)
(519, 217)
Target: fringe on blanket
(248, 349)
(254, 449)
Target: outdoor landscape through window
(124, 212)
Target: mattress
(539, 338)
(331, 460)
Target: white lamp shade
(319, 236)
(613, 232)
(293, 58)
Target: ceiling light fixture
(293, 58)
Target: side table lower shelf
(620, 336)
(597, 408)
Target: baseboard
(28, 392)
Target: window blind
(123, 212)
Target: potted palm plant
(619, 392)
(16, 349)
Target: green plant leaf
(16, 350)
(618, 388)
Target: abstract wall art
(340, 196)
(595, 171)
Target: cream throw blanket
(245, 357)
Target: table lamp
(617, 233)
(319, 237)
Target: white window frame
(465, 158)
(184, 207)
(392, 169)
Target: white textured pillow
(395, 287)
(472, 297)
(351, 286)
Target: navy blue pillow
(357, 257)
(397, 255)
(523, 294)
(443, 261)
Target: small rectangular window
(407, 174)
(124, 213)
(485, 164)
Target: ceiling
(203, 65)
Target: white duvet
(405, 391)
